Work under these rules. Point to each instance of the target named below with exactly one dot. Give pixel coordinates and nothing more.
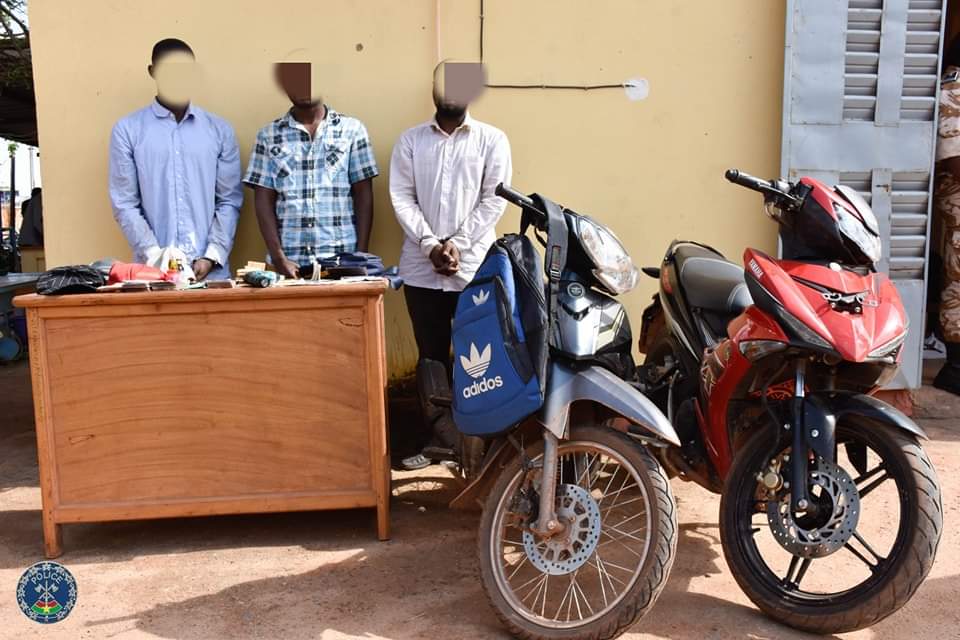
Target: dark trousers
(431, 313)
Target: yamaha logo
(575, 289)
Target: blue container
(19, 324)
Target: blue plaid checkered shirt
(312, 179)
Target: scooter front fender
(566, 386)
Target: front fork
(813, 429)
(800, 500)
(547, 523)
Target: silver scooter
(579, 527)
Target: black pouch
(79, 278)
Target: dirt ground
(324, 575)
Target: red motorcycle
(830, 513)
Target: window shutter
(921, 61)
(862, 59)
(859, 108)
(905, 248)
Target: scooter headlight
(754, 350)
(804, 332)
(856, 232)
(614, 268)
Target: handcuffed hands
(445, 258)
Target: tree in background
(13, 15)
(18, 106)
(15, 68)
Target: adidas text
(482, 386)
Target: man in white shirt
(443, 174)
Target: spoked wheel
(612, 560)
(858, 554)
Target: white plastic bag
(163, 259)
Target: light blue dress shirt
(176, 183)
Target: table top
(330, 288)
(14, 281)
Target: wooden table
(200, 402)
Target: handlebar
(510, 194)
(776, 191)
(532, 212)
(750, 182)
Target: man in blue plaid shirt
(312, 173)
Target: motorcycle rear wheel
(631, 490)
(892, 580)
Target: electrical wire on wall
(635, 88)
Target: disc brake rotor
(838, 512)
(567, 552)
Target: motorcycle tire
(901, 573)
(651, 578)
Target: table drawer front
(209, 405)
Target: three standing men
(443, 174)
(175, 182)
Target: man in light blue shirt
(175, 172)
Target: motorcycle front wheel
(607, 568)
(860, 555)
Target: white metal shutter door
(859, 108)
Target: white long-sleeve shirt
(442, 186)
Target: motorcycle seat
(710, 281)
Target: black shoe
(948, 379)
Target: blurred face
(176, 76)
(296, 80)
(456, 85)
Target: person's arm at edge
(125, 196)
(362, 194)
(228, 197)
(265, 204)
(498, 167)
(403, 196)
(260, 178)
(952, 166)
(361, 170)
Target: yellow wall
(652, 170)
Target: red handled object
(124, 271)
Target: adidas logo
(480, 298)
(476, 364)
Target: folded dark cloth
(371, 262)
(78, 278)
